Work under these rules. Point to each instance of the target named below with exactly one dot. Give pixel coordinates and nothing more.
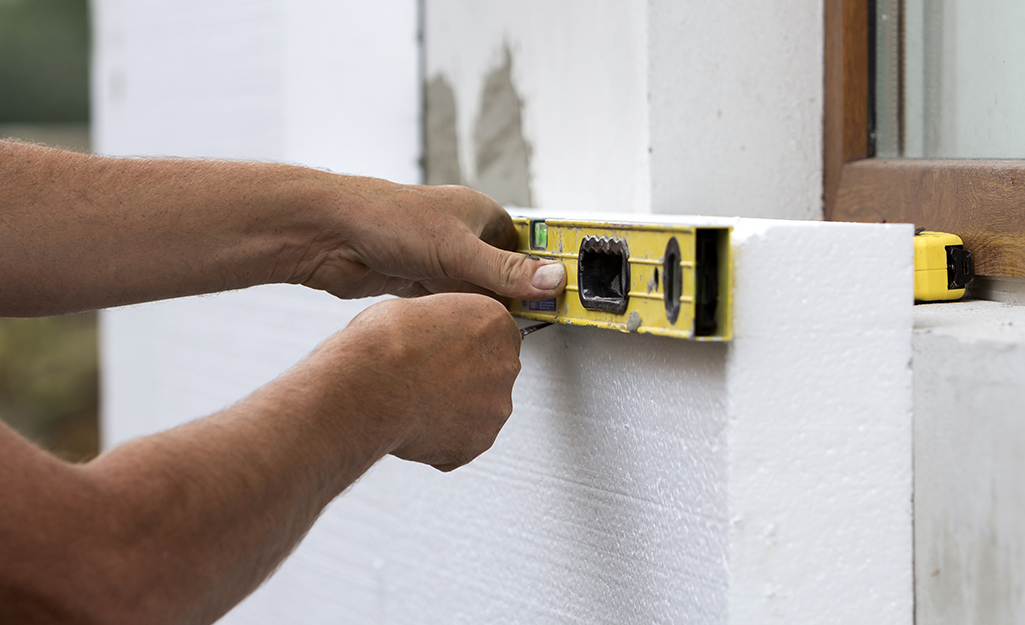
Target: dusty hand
(437, 373)
(415, 240)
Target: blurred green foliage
(44, 61)
(49, 380)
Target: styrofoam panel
(727, 98)
(640, 479)
(244, 338)
(736, 108)
(820, 436)
(585, 510)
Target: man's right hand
(433, 374)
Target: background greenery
(48, 367)
(44, 61)
(48, 382)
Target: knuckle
(512, 267)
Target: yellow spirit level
(942, 266)
(666, 279)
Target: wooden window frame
(982, 201)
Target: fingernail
(548, 277)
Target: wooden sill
(983, 202)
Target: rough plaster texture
(441, 143)
(640, 479)
(969, 433)
(503, 156)
(580, 69)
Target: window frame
(982, 201)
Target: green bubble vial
(540, 236)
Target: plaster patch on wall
(441, 144)
(503, 155)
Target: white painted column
(333, 85)
(187, 78)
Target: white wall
(243, 79)
(260, 79)
(736, 107)
(640, 479)
(161, 67)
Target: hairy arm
(180, 526)
(81, 232)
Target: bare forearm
(83, 232)
(183, 524)
(180, 526)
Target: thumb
(509, 274)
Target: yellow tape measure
(943, 267)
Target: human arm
(178, 527)
(80, 232)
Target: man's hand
(179, 526)
(414, 240)
(82, 232)
(437, 372)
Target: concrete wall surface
(640, 479)
(969, 433)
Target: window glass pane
(950, 78)
(887, 111)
